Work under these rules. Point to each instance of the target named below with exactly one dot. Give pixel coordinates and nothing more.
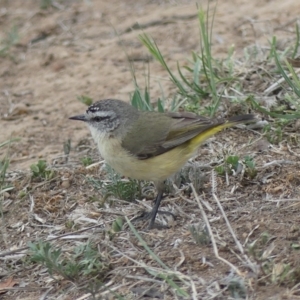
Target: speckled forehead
(93, 109)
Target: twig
(213, 241)
(275, 85)
(164, 21)
(250, 233)
(278, 163)
(237, 242)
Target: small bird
(149, 145)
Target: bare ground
(73, 50)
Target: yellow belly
(156, 169)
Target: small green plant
(40, 170)
(220, 170)
(85, 100)
(236, 286)
(4, 164)
(116, 187)
(232, 162)
(274, 270)
(116, 226)
(251, 171)
(281, 272)
(67, 147)
(22, 194)
(230, 166)
(200, 235)
(82, 261)
(45, 4)
(86, 161)
(124, 190)
(274, 134)
(12, 38)
(141, 101)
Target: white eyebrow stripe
(100, 113)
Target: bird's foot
(149, 215)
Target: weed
(40, 170)
(236, 286)
(233, 164)
(200, 235)
(86, 161)
(116, 226)
(85, 100)
(274, 134)
(230, 166)
(22, 194)
(125, 190)
(250, 171)
(84, 260)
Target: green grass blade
(297, 42)
(151, 253)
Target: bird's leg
(152, 214)
(160, 186)
(154, 211)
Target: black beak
(79, 118)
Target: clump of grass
(287, 89)
(203, 78)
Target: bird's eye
(99, 119)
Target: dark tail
(241, 119)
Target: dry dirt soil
(77, 48)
